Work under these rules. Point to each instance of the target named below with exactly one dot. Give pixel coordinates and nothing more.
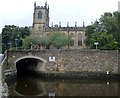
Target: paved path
(3, 87)
(0, 57)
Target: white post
(108, 72)
(51, 95)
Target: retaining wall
(73, 62)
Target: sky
(20, 12)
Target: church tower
(40, 18)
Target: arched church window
(39, 15)
(72, 38)
(39, 28)
(79, 39)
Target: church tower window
(79, 39)
(39, 28)
(39, 15)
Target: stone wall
(73, 61)
(119, 61)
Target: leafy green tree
(31, 40)
(36, 40)
(111, 22)
(106, 41)
(11, 32)
(45, 41)
(59, 40)
(88, 31)
(0, 43)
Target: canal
(29, 86)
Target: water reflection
(26, 86)
(31, 86)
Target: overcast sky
(20, 12)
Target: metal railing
(3, 58)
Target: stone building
(41, 26)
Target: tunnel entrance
(29, 66)
(26, 66)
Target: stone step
(0, 95)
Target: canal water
(29, 87)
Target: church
(41, 26)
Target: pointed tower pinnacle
(83, 24)
(34, 4)
(46, 4)
(48, 7)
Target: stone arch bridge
(64, 62)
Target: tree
(45, 41)
(88, 31)
(106, 41)
(0, 43)
(11, 32)
(36, 40)
(59, 40)
(111, 22)
(30, 40)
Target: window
(39, 15)
(72, 36)
(79, 39)
(39, 28)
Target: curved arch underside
(29, 65)
(34, 57)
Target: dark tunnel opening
(26, 66)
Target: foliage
(0, 43)
(56, 39)
(89, 30)
(45, 41)
(106, 41)
(59, 40)
(28, 41)
(109, 23)
(12, 32)
(35, 40)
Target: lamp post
(21, 41)
(10, 45)
(4, 46)
(31, 46)
(16, 43)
